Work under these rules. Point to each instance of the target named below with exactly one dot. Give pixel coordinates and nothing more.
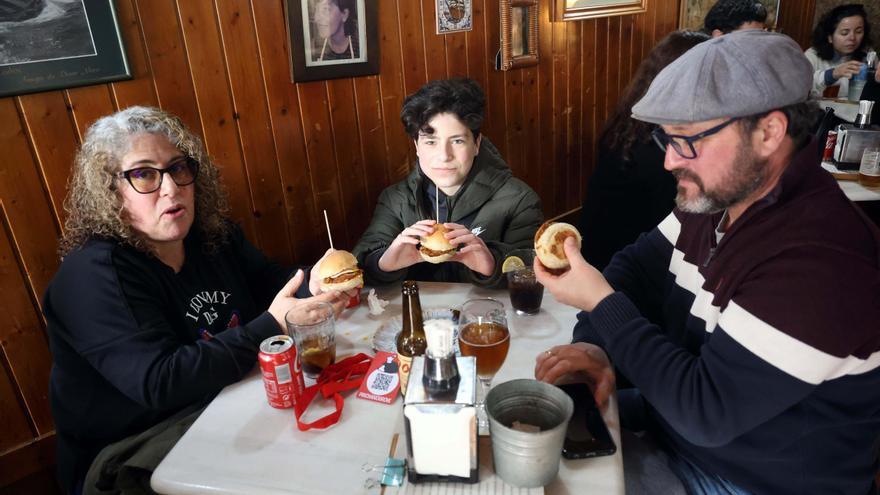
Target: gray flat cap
(742, 73)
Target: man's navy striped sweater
(759, 356)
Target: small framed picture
(693, 12)
(454, 16)
(576, 10)
(59, 45)
(519, 33)
(330, 39)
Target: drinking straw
(327, 223)
(437, 202)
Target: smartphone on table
(587, 434)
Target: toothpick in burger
(435, 247)
(339, 272)
(549, 241)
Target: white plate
(385, 339)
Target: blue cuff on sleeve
(829, 77)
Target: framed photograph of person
(519, 33)
(454, 16)
(47, 45)
(332, 38)
(693, 13)
(575, 10)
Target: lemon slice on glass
(512, 263)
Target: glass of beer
(483, 334)
(313, 328)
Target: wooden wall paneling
(29, 211)
(612, 64)
(796, 20)
(630, 53)
(556, 200)
(650, 29)
(603, 79)
(479, 62)
(531, 128)
(22, 339)
(171, 71)
(513, 97)
(24, 460)
(349, 164)
(140, 89)
(252, 119)
(17, 427)
(314, 105)
(496, 103)
(88, 104)
(53, 138)
(412, 44)
(574, 115)
(435, 44)
(371, 134)
(399, 149)
(588, 95)
(287, 133)
(545, 165)
(670, 20)
(213, 98)
(456, 54)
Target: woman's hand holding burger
(473, 252)
(403, 252)
(570, 278)
(286, 300)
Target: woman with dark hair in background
(630, 192)
(840, 42)
(336, 22)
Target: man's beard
(747, 174)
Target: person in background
(747, 320)
(487, 209)
(629, 192)
(727, 16)
(840, 42)
(159, 301)
(336, 22)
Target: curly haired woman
(159, 302)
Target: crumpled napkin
(377, 305)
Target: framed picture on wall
(332, 38)
(575, 10)
(454, 16)
(519, 33)
(54, 45)
(693, 12)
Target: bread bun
(339, 272)
(435, 247)
(549, 241)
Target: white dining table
(241, 445)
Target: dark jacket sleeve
(146, 358)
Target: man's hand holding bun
(581, 286)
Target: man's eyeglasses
(149, 179)
(684, 145)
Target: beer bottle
(411, 340)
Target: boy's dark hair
(828, 23)
(729, 15)
(461, 97)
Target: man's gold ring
(549, 353)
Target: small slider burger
(435, 248)
(548, 244)
(339, 271)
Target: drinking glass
(313, 328)
(483, 334)
(526, 293)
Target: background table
(242, 445)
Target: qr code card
(382, 381)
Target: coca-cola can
(282, 373)
(830, 142)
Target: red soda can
(282, 373)
(355, 300)
(830, 142)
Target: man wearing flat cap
(748, 321)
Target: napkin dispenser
(441, 426)
(852, 142)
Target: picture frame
(576, 10)
(693, 12)
(454, 16)
(519, 33)
(73, 44)
(330, 39)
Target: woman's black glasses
(684, 145)
(149, 179)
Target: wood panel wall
(289, 151)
